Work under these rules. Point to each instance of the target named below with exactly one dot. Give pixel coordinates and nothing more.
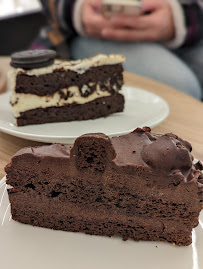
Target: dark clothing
(61, 30)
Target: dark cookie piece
(30, 59)
(28, 66)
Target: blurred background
(20, 21)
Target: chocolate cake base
(101, 107)
(141, 186)
(49, 213)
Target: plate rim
(45, 138)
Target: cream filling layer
(22, 102)
(79, 66)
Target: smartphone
(121, 7)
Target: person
(163, 43)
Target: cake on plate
(141, 186)
(46, 90)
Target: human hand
(93, 21)
(154, 24)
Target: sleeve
(77, 15)
(179, 25)
(59, 16)
(188, 21)
(60, 30)
(193, 11)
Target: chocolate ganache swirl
(165, 154)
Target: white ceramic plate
(142, 108)
(26, 247)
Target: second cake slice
(68, 90)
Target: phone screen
(122, 7)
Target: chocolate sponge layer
(100, 107)
(39, 210)
(48, 84)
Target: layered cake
(141, 186)
(44, 90)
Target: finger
(129, 35)
(96, 4)
(150, 5)
(93, 18)
(93, 8)
(96, 22)
(141, 22)
(93, 32)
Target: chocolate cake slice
(65, 90)
(141, 186)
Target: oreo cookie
(30, 59)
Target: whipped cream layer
(23, 102)
(79, 66)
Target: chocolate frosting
(54, 151)
(165, 155)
